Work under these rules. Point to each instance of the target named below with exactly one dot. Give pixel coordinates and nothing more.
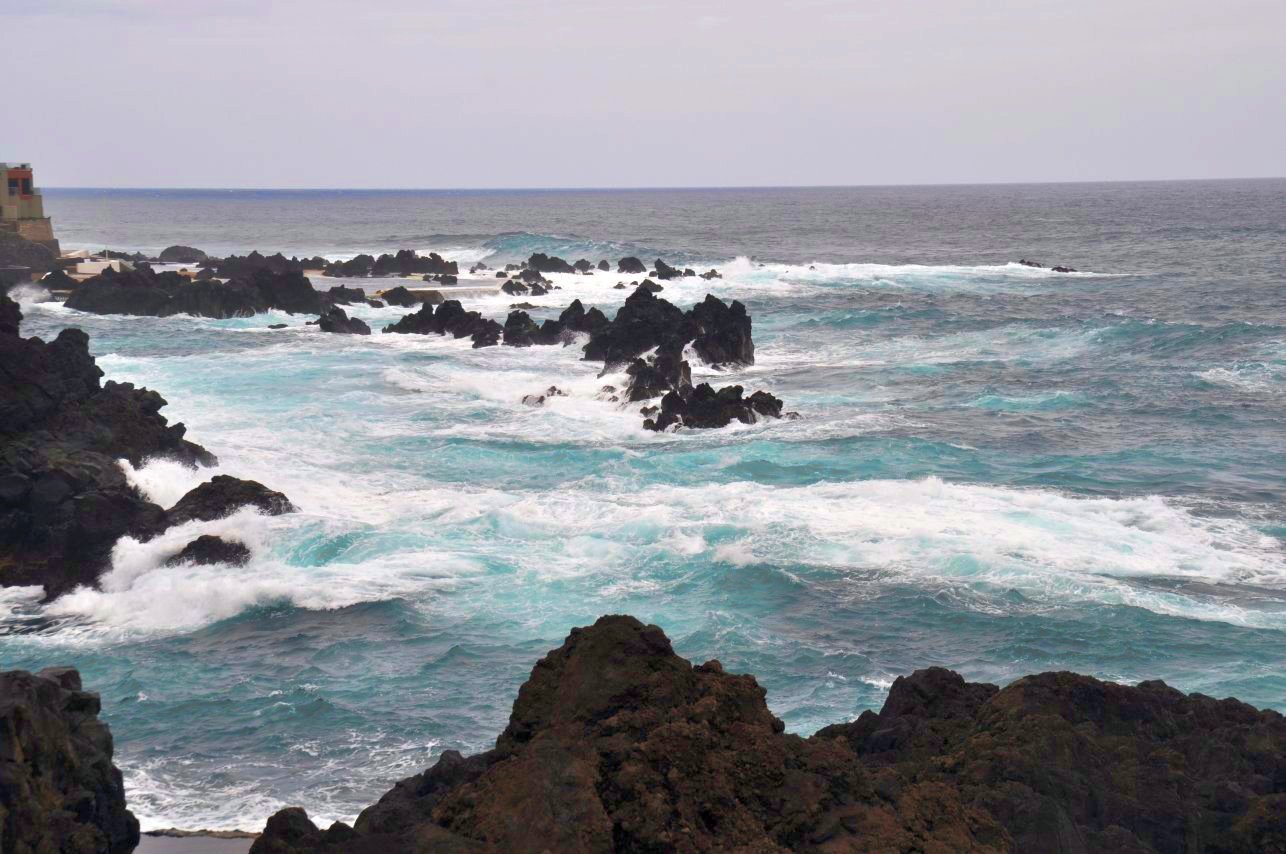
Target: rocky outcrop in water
(617, 744)
(705, 408)
(405, 263)
(208, 549)
(337, 321)
(144, 292)
(630, 266)
(241, 266)
(450, 318)
(542, 263)
(59, 791)
(181, 255)
(64, 499)
(223, 495)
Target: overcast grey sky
(579, 93)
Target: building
(22, 210)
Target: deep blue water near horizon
(999, 470)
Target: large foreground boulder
(617, 744)
(59, 791)
(18, 251)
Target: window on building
(26, 186)
(13, 186)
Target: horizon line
(659, 188)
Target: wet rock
(723, 333)
(338, 322)
(584, 265)
(651, 286)
(630, 265)
(277, 325)
(478, 268)
(207, 549)
(1062, 269)
(539, 262)
(181, 255)
(520, 330)
(17, 251)
(404, 263)
(450, 318)
(513, 287)
(663, 372)
(604, 266)
(712, 274)
(665, 272)
(341, 295)
(222, 496)
(66, 500)
(59, 791)
(705, 408)
(500, 274)
(58, 280)
(399, 296)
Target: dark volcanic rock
(722, 333)
(706, 408)
(630, 265)
(222, 496)
(341, 295)
(513, 287)
(664, 271)
(208, 549)
(642, 323)
(181, 255)
(64, 501)
(584, 265)
(604, 266)
(542, 263)
(147, 293)
(450, 318)
(617, 744)
(665, 371)
(58, 280)
(337, 321)
(400, 297)
(59, 791)
(404, 263)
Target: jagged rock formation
(617, 744)
(64, 500)
(450, 318)
(705, 408)
(59, 791)
(630, 266)
(208, 549)
(405, 263)
(337, 321)
(144, 292)
(222, 496)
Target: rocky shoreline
(615, 743)
(64, 498)
(647, 338)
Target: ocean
(997, 469)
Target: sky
(652, 93)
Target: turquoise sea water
(998, 469)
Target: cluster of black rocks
(647, 338)
(64, 499)
(404, 263)
(144, 292)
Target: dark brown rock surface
(59, 791)
(617, 744)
